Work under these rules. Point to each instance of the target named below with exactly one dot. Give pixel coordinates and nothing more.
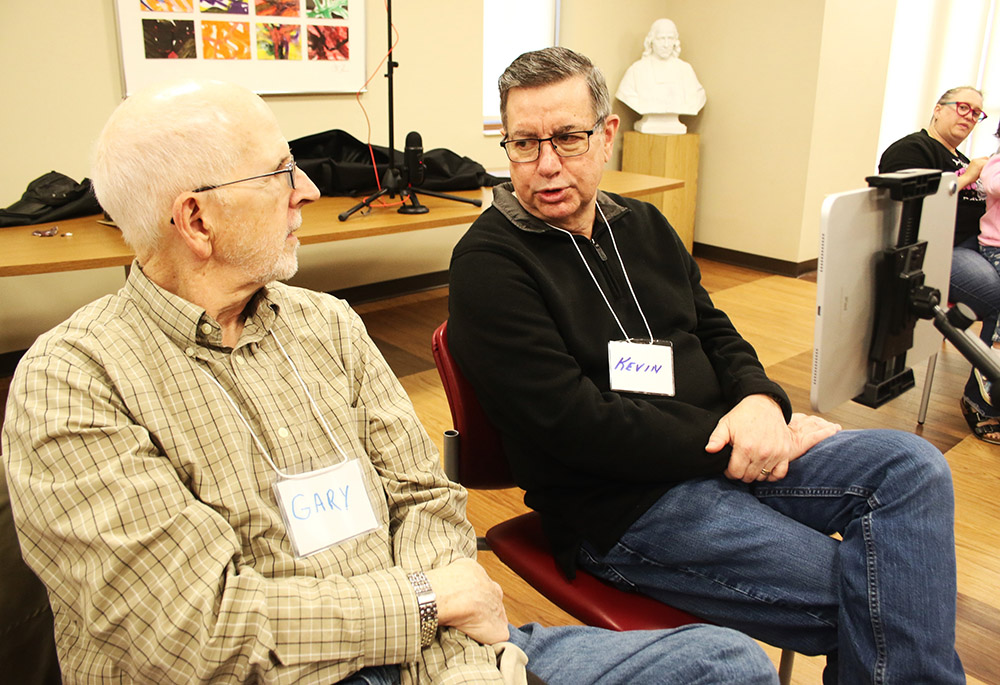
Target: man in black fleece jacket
(676, 467)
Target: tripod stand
(404, 182)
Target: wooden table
(93, 245)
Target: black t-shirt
(920, 151)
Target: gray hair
(952, 92)
(156, 147)
(552, 65)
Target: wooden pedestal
(675, 156)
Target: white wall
(937, 45)
(794, 100)
(845, 124)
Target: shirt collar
(185, 323)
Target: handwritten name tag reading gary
(325, 507)
(644, 367)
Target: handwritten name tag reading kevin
(643, 366)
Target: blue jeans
(991, 254)
(759, 558)
(581, 655)
(690, 655)
(976, 283)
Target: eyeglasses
(965, 109)
(287, 169)
(568, 144)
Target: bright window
(511, 28)
(937, 45)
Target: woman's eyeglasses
(965, 109)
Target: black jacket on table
(920, 151)
(530, 330)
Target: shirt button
(189, 351)
(241, 361)
(283, 432)
(206, 328)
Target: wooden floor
(776, 314)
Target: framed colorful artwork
(268, 46)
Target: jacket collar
(507, 204)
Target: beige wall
(847, 115)
(758, 64)
(784, 79)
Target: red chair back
(481, 462)
(520, 542)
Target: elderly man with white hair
(218, 478)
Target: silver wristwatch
(427, 602)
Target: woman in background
(974, 281)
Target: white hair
(160, 143)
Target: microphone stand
(392, 180)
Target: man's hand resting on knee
(763, 444)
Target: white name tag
(646, 367)
(325, 508)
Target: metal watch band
(427, 603)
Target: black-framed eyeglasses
(287, 169)
(568, 144)
(965, 109)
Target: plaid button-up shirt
(146, 507)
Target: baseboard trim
(394, 288)
(752, 261)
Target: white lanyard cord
(594, 278)
(312, 402)
(253, 434)
(624, 271)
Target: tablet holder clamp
(901, 298)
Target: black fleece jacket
(530, 330)
(920, 151)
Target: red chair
(474, 457)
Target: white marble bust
(661, 86)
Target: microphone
(413, 159)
